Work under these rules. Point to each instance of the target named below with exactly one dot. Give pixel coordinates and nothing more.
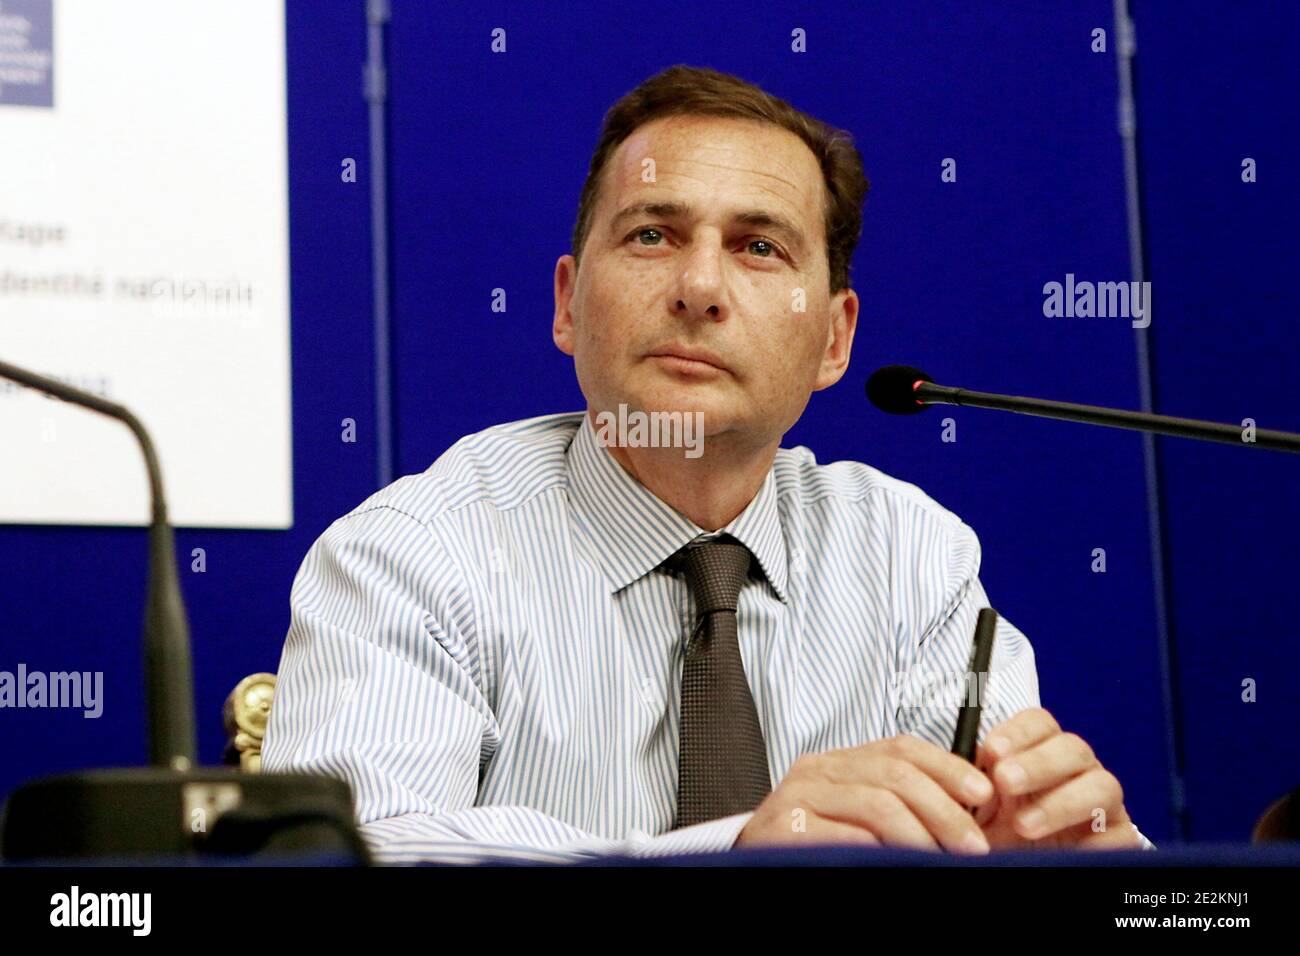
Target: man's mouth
(689, 360)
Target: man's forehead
(768, 164)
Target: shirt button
(647, 691)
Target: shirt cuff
(713, 836)
(1146, 844)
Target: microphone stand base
(150, 813)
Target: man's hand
(1051, 790)
(902, 791)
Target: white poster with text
(144, 257)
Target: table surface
(1170, 855)
(1174, 855)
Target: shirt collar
(635, 531)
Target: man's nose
(701, 286)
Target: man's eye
(771, 248)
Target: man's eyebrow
(761, 218)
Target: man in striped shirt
(491, 652)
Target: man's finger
(963, 782)
(934, 786)
(1077, 801)
(1116, 836)
(945, 819)
(1016, 733)
(824, 831)
(880, 811)
(1043, 765)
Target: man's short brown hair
(697, 91)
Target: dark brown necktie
(723, 760)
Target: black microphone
(904, 390)
(893, 389)
(173, 808)
(169, 682)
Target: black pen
(968, 717)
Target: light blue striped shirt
(489, 655)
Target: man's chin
(712, 413)
(662, 393)
(705, 419)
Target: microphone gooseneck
(169, 680)
(904, 390)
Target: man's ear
(566, 280)
(839, 338)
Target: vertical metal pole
(1126, 49)
(376, 93)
